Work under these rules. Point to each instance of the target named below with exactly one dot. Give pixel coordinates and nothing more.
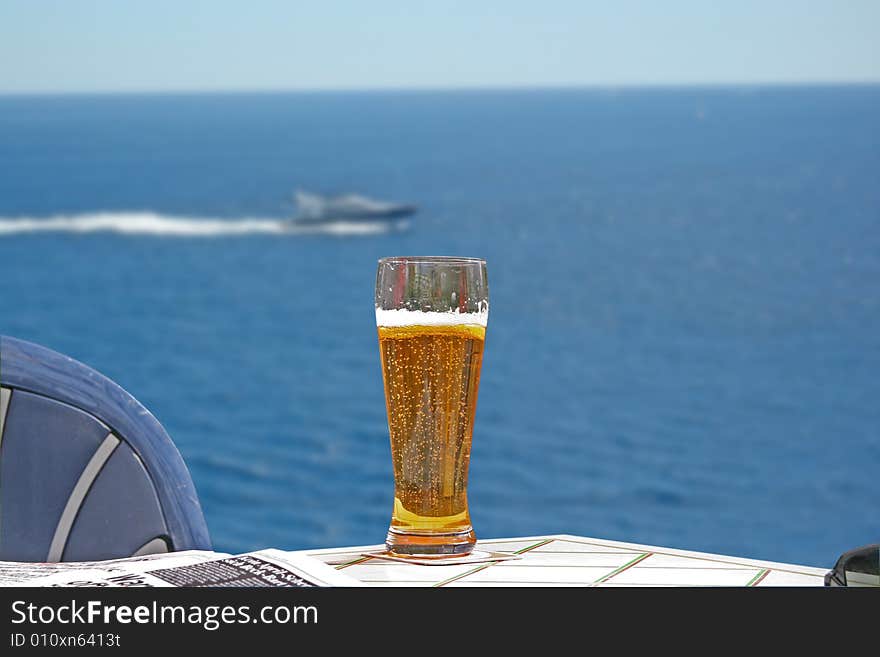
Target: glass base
(430, 544)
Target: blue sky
(164, 45)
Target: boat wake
(150, 223)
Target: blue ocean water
(684, 336)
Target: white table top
(564, 560)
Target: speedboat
(315, 208)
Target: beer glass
(431, 317)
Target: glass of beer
(431, 317)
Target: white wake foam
(151, 223)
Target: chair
(86, 472)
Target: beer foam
(403, 317)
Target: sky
(61, 46)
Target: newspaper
(193, 568)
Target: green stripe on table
(532, 547)
(352, 562)
(486, 565)
(757, 579)
(470, 572)
(626, 566)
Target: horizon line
(625, 86)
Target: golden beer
(431, 375)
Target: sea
(683, 345)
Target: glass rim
(461, 260)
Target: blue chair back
(86, 472)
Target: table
(565, 560)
